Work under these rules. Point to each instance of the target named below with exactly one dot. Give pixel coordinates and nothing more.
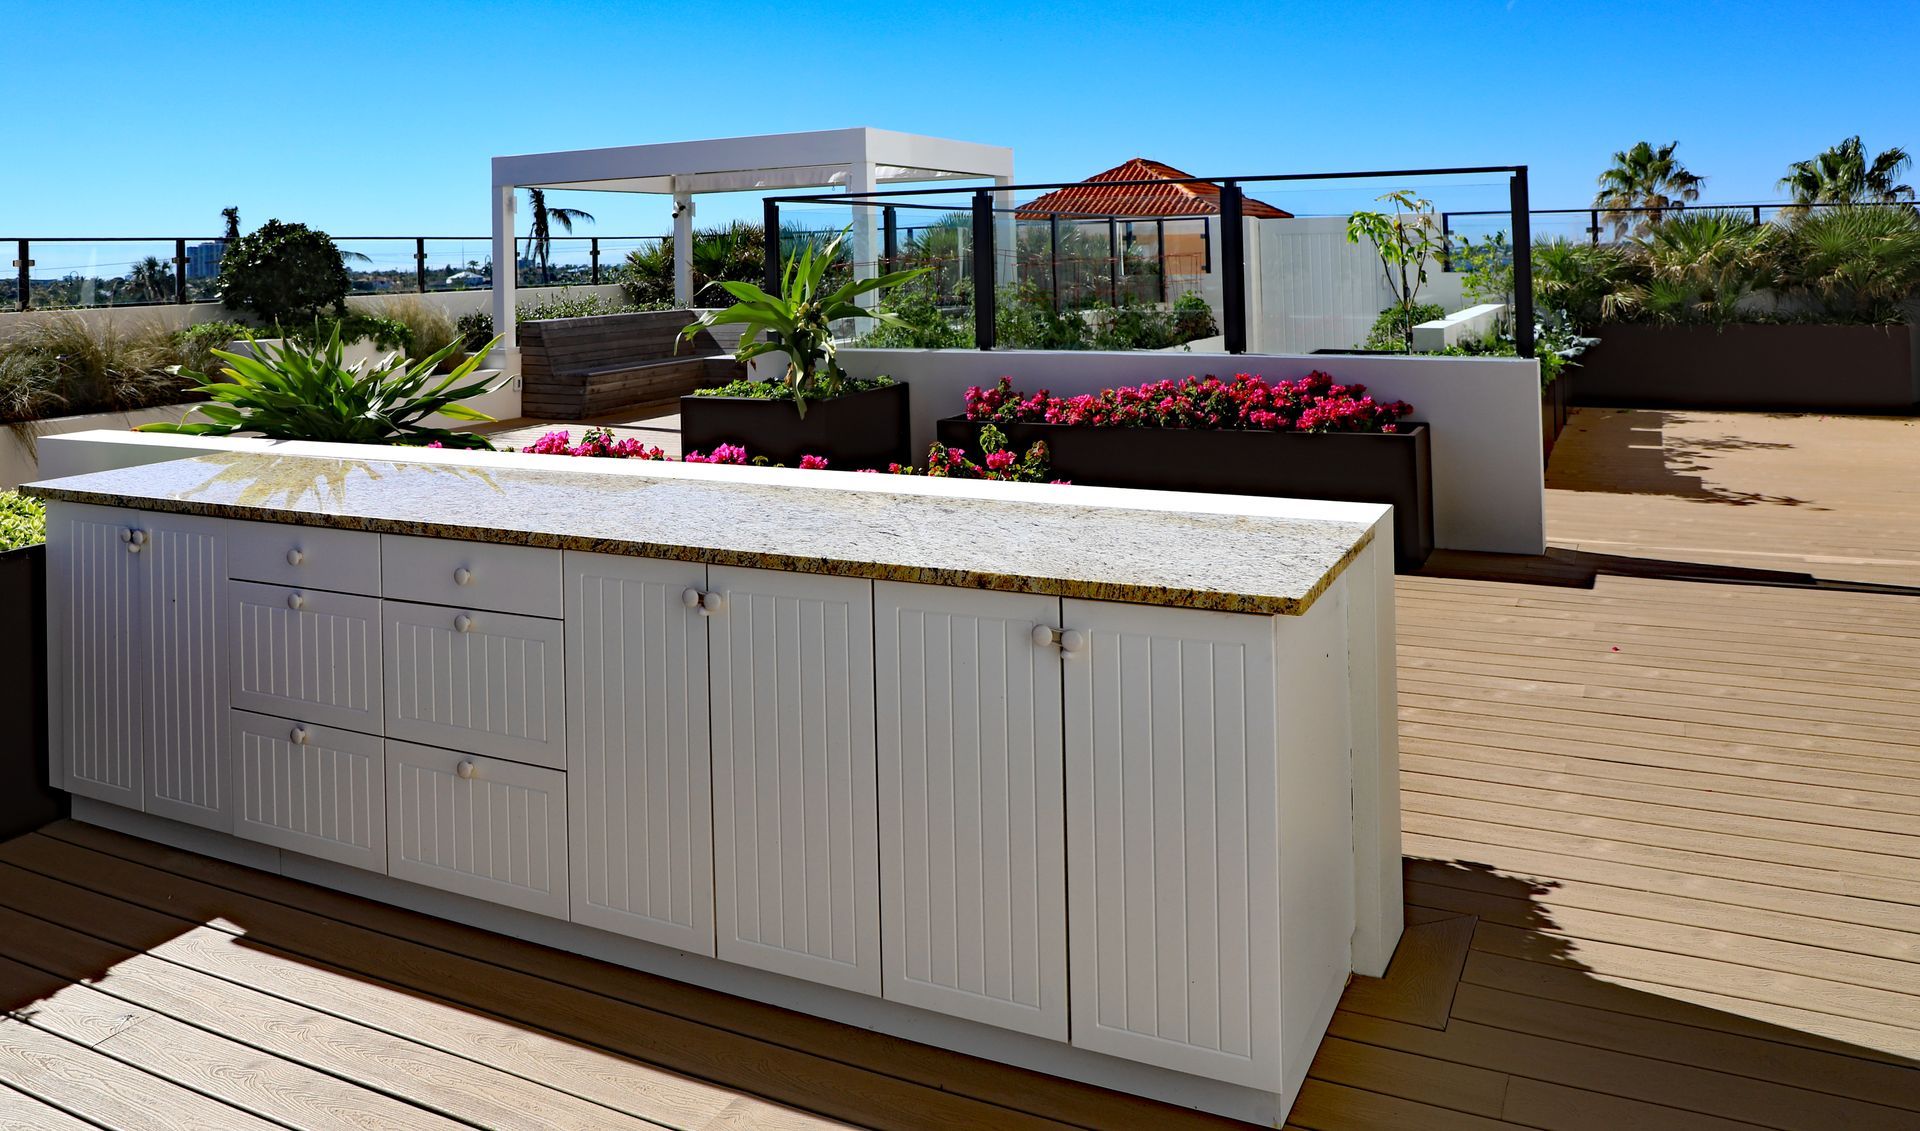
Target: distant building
(203, 259)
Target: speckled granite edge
(1205, 599)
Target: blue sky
(380, 119)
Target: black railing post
(770, 221)
(180, 272)
(983, 296)
(1593, 226)
(25, 264)
(1113, 261)
(1522, 265)
(1233, 265)
(1053, 256)
(594, 253)
(1206, 246)
(1160, 244)
(890, 238)
(1446, 241)
(1756, 214)
(420, 264)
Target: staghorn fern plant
(802, 315)
(305, 392)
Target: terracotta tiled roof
(1198, 199)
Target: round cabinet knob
(463, 576)
(296, 601)
(690, 598)
(126, 535)
(1073, 642)
(133, 547)
(139, 537)
(712, 603)
(295, 556)
(1042, 636)
(299, 736)
(467, 769)
(463, 623)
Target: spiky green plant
(1700, 266)
(1858, 262)
(802, 315)
(298, 391)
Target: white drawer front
(311, 789)
(478, 681)
(314, 557)
(478, 826)
(475, 575)
(307, 654)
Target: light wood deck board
(1693, 865)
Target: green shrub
(475, 328)
(353, 326)
(567, 304)
(1193, 318)
(305, 391)
(1390, 329)
(922, 326)
(64, 365)
(429, 326)
(284, 274)
(197, 342)
(23, 521)
(782, 391)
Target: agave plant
(802, 315)
(296, 391)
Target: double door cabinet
(1068, 818)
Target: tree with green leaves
(1842, 174)
(1407, 239)
(1642, 185)
(151, 280)
(541, 234)
(284, 273)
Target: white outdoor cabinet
(796, 874)
(485, 827)
(972, 813)
(140, 690)
(312, 789)
(306, 654)
(471, 679)
(639, 763)
(1202, 771)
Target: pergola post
(506, 271)
(682, 249)
(862, 176)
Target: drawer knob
(299, 736)
(467, 769)
(134, 540)
(463, 623)
(463, 576)
(1045, 636)
(295, 556)
(126, 535)
(707, 603)
(295, 601)
(1072, 642)
(690, 598)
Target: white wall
(1488, 478)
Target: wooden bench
(580, 368)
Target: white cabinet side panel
(972, 812)
(796, 872)
(639, 767)
(1172, 849)
(97, 723)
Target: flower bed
(1311, 438)
(862, 428)
(998, 461)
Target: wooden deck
(1662, 811)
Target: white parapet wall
(1471, 324)
(1488, 474)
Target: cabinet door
(476, 680)
(972, 814)
(312, 789)
(482, 827)
(797, 883)
(97, 669)
(639, 764)
(185, 620)
(307, 654)
(1172, 840)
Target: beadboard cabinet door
(972, 812)
(188, 768)
(312, 789)
(797, 882)
(469, 679)
(1172, 845)
(307, 654)
(639, 761)
(96, 664)
(483, 827)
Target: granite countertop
(1234, 563)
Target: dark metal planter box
(1391, 468)
(26, 801)
(1820, 368)
(855, 431)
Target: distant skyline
(146, 120)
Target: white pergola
(857, 160)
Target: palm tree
(1843, 175)
(1642, 185)
(150, 280)
(541, 237)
